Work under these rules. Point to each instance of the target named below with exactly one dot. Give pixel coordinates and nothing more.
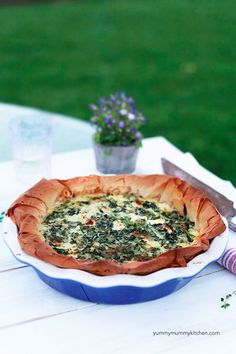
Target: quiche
(105, 225)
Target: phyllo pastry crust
(133, 224)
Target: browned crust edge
(28, 211)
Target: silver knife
(223, 204)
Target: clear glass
(31, 139)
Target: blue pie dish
(115, 289)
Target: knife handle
(232, 226)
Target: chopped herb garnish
(226, 301)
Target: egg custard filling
(116, 227)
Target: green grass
(176, 58)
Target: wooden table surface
(35, 318)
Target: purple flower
(121, 125)
(130, 100)
(93, 107)
(108, 119)
(138, 135)
(133, 129)
(113, 98)
(131, 117)
(101, 101)
(122, 95)
(143, 120)
(123, 112)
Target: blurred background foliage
(176, 58)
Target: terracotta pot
(115, 159)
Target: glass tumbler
(31, 139)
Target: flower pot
(115, 159)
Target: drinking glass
(31, 139)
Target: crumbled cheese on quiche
(118, 225)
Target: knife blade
(223, 204)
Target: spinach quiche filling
(116, 227)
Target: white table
(34, 318)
